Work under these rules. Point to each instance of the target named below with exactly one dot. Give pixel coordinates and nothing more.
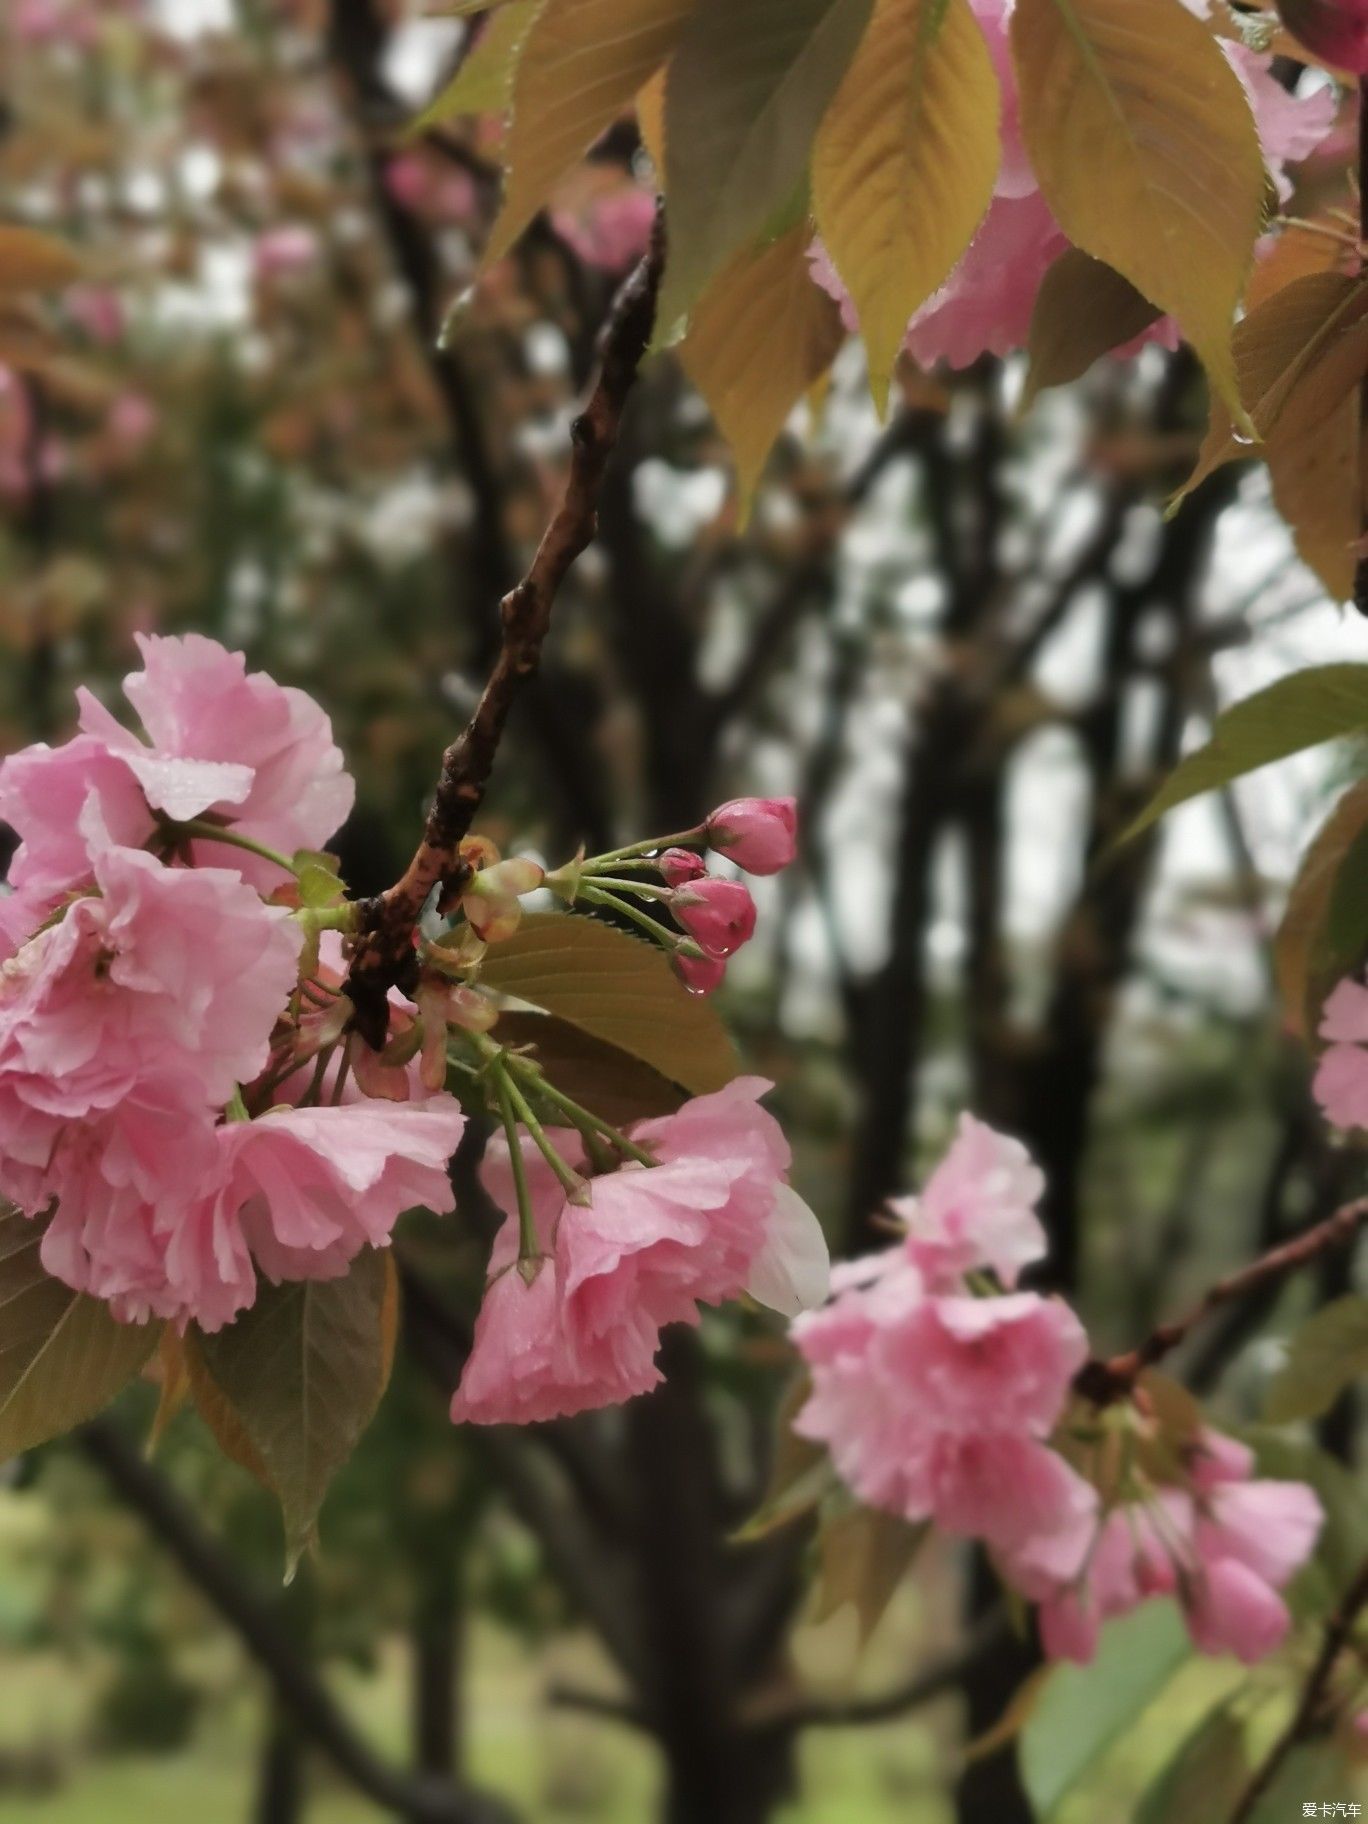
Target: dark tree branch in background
(1308, 1717)
(210, 1568)
(1105, 1382)
(384, 954)
(937, 1679)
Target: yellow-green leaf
(904, 164)
(1145, 148)
(1303, 710)
(582, 63)
(62, 1356)
(761, 335)
(484, 82)
(746, 90)
(1307, 952)
(1300, 356)
(301, 1373)
(1326, 1355)
(863, 1556)
(617, 988)
(1083, 310)
(33, 261)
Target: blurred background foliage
(968, 642)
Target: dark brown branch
(383, 955)
(1107, 1381)
(935, 1680)
(1308, 1716)
(252, 1618)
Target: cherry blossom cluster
(947, 1394)
(183, 1100)
(160, 1000)
(985, 305)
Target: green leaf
(1323, 1358)
(301, 1374)
(618, 989)
(1084, 1710)
(581, 64)
(1297, 712)
(484, 82)
(863, 1556)
(1083, 310)
(62, 1356)
(1204, 1778)
(1317, 1771)
(319, 884)
(904, 165)
(744, 94)
(1145, 149)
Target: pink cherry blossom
(977, 1209)
(1225, 1544)
(165, 1215)
(759, 834)
(936, 1406)
(311, 1187)
(718, 914)
(611, 232)
(1341, 1081)
(681, 865)
(168, 972)
(713, 1218)
(1335, 30)
(239, 749)
(283, 252)
(699, 974)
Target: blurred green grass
(556, 1766)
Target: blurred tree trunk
(280, 1776)
(437, 1642)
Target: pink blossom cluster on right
(943, 1393)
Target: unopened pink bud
(699, 974)
(718, 914)
(759, 834)
(1336, 31)
(681, 865)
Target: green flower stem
(644, 889)
(680, 840)
(528, 1243)
(201, 830)
(587, 1121)
(343, 1072)
(236, 1108)
(570, 1180)
(661, 934)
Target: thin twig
(383, 954)
(1307, 1717)
(1105, 1382)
